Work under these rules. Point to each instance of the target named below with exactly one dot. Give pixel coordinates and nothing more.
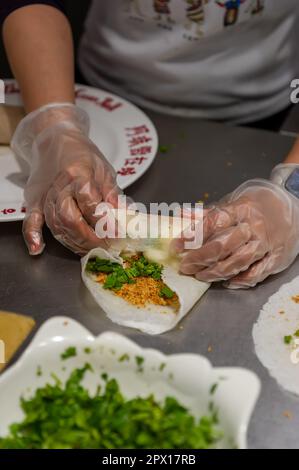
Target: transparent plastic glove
(68, 177)
(253, 233)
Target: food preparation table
(198, 158)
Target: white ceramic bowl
(188, 377)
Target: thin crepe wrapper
(278, 318)
(151, 319)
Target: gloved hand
(68, 177)
(253, 233)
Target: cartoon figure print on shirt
(193, 19)
(162, 10)
(195, 14)
(231, 13)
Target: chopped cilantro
(104, 376)
(97, 265)
(39, 371)
(213, 389)
(118, 275)
(165, 291)
(162, 366)
(164, 148)
(124, 357)
(69, 352)
(288, 339)
(139, 360)
(56, 379)
(69, 417)
(87, 350)
(214, 412)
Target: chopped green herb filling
(213, 388)
(68, 417)
(118, 275)
(124, 357)
(164, 148)
(166, 292)
(104, 376)
(288, 339)
(69, 352)
(139, 360)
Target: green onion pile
(63, 417)
(118, 275)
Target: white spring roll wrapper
(150, 233)
(278, 318)
(151, 319)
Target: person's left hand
(251, 235)
(69, 177)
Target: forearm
(293, 156)
(38, 42)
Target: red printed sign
(108, 103)
(137, 137)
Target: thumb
(32, 232)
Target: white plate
(188, 377)
(125, 135)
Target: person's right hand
(69, 177)
(251, 234)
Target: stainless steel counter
(202, 158)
